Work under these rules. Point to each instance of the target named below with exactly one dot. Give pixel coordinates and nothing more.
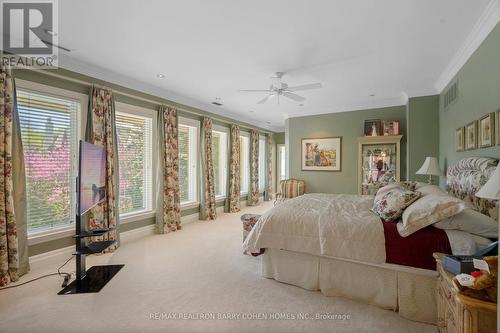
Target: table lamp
(430, 168)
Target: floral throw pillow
(392, 204)
(409, 185)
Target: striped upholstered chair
(290, 188)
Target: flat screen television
(92, 176)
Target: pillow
(428, 210)
(431, 189)
(391, 205)
(383, 190)
(409, 185)
(472, 222)
(481, 242)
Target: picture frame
(486, 130)
(471, 135)
(373, 127)
(497, 121)
(460, 139)
(390, 128)
(322, 154)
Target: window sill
(50, 235)
(220, 198)
(189, 205)
(136, 216)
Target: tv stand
(96, 277)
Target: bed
(336, 245)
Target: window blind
(135, 163)
(49, 130)
(244, 163)
(187, 136)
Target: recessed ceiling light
(268, 122)
(160, 76)
(372, 95)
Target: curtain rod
(116, 91)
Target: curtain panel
(233, 192)
(101, 131)
(253, 193)
(207, 206)
(13, 221)
(168, 216)
(269, 164)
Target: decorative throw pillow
(391, 205)
(428, 210)
(384, 189)
(431, 189)
(472, 222)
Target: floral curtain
(101, 131)
(253, 193)
(233, 200)
(13, 223)
(207, 206)
(168, 217)
(269, 178)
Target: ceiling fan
(284, 90)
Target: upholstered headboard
(465, 178)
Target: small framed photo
(390, 127)
(373, 127)
(487, 130)
(460, 139)
(471, 136)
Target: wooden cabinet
(379, 159)
(458, 313)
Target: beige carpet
(198, 270)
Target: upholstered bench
(249, 221)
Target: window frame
(195, 162)
(124, 108)
(42, 89)
(245, 135)
(280, 165)
(224, 161)
(262, 163)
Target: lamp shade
(491, 190)
(430, 167)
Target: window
(135, 161)
(219, 157)
(281, 163)
(50, 134)
(244, 163)
(188, 152)
(262, 163)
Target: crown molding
(485, 24)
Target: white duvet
(334, 225)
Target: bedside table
(458, 313)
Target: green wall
(422, 118)
(348, 125)
(279, 138)
(478, 94)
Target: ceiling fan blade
(305, 87)
(253, 90)
(295, 97)
(265, 99)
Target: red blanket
(415, 250)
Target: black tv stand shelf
(93, 232)
(95, 247)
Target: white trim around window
(193, 126)
(244, 162)
(148, 117)
(220, 173)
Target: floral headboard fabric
(465, 178)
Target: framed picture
(390, 127)
(471, 136)
(460, 139)
(487, 130)
(322, 154)
(373, 127)
(497, 120)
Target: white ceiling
(207, 49)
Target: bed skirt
(409, 291)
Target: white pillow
(431, 189)
(472, 222)
(428, 210)
(385, 189)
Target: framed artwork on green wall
(322, 154)
(460, 139)
(487, 130)
(471, 136)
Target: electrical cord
(67, 277)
